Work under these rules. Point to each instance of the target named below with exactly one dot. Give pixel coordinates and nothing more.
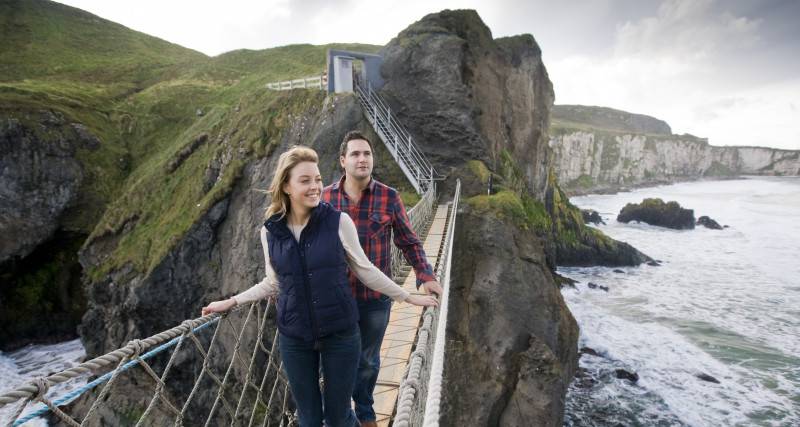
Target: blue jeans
(373, 319)
(338, 354)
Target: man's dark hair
(349, 136)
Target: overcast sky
(727, 70)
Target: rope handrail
(419, 398)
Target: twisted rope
(92, 366)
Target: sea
(713, 333)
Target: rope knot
(188, 323)
(137, 346)
(42, 386)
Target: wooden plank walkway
(401, 333)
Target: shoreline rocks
(591, 216)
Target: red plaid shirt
(379, 212)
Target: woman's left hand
(422, 300)
(219, 306)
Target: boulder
(707, 378)
(590, 351)
(708, 223)
(656, 212)
(626, 375)
(591, 217)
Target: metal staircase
(396, 138)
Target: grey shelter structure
(342, 70)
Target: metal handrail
(396, 138)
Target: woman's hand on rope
(219, 306)
(422, 300)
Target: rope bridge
(234, 382)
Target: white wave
(23, 365)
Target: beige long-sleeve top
(367, 273)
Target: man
(376, 210)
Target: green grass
(166, 204)
(525, 212)
(479, 169)
(140, 96)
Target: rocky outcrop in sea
(660, 213)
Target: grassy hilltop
(162, 112)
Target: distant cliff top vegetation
(609, 119)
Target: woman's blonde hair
(286, 162)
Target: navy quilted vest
(315, 298)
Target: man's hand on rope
(433, 287)
(219, 306)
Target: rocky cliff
(480, 106)
(510, 338)
(469, 97)
(594, 152)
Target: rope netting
(240, 385)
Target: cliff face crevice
(39, 179)
(41, 184)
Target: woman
(307, 248)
